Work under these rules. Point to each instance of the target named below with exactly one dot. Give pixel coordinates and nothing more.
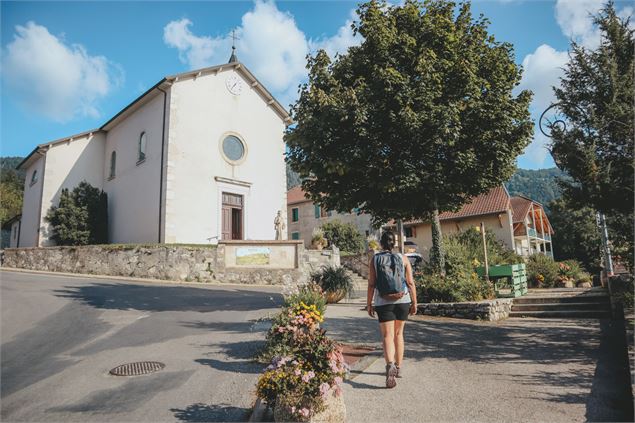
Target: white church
(199, 157)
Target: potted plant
(303, 383)
(317, 239)
(335, 282)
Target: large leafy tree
(595, 146)
(415, 121)
(81, 217)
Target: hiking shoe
(391, 374)
(398, 375)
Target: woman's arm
(410, 281)
(371, 287)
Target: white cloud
(54, 79)
(536, 153)
(269, 43)
(198, 52)
(575, 19)
(542, 70)
(340, 42)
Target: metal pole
(485, 251)
(605, 243)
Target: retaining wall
(275, 262)
(490, 310)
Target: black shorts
(390, 312)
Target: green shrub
(452, 288)
(81, 216)
(542, 271)
(309, 294)
(623, 287)
(333, 279)
(575, 269)
(344, 235)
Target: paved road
(61, 335)
(518, 370)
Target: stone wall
(490, 310)
(172, 262)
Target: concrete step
(566, 290)
(592, 314)
(587, 298)
(561, 307)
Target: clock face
(234, 84)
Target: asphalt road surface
(62, 335)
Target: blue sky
(68, 67)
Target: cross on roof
(233, 57)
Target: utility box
(510, 280)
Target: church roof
(166, 82)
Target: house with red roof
(519, 223)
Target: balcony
(532, 232)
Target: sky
(68, 67)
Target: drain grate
(136, 369)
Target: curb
(134, 280)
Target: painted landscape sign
(246, 256)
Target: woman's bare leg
(388, 340)
(399, 345)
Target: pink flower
(338, 380)
(304, 412)
(305, 378)
(297, 372)
(324, 389)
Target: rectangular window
(295, 214)
(410, 232)
(295, 235)
(317, 211)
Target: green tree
(81, 217)
(344, 235)
(415, 121)
(595, 147)
(576, 234)
(11, 188)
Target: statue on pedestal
(278, 224)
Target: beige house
(518, 222)
(304, 216)
(196, 158)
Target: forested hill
(539, 185)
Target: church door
(232, 216)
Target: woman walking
(392, 295)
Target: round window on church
(233, 148)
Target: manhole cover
(136, 369)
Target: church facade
(197, 158)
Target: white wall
(201, 111)
(32, 205)
(67, 164)
(133, 195)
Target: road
(61, 335)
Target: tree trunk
(437, 258)
(400, 232)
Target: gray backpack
(390, 274)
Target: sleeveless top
(378, 300)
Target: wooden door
(232, 216)
(227, 223)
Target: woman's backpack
(390, 280)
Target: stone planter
(334, 412)
(584, 284)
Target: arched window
(141, 156)
(113, 164)
(34, 177)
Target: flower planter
(333, 297)
(334, 411)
